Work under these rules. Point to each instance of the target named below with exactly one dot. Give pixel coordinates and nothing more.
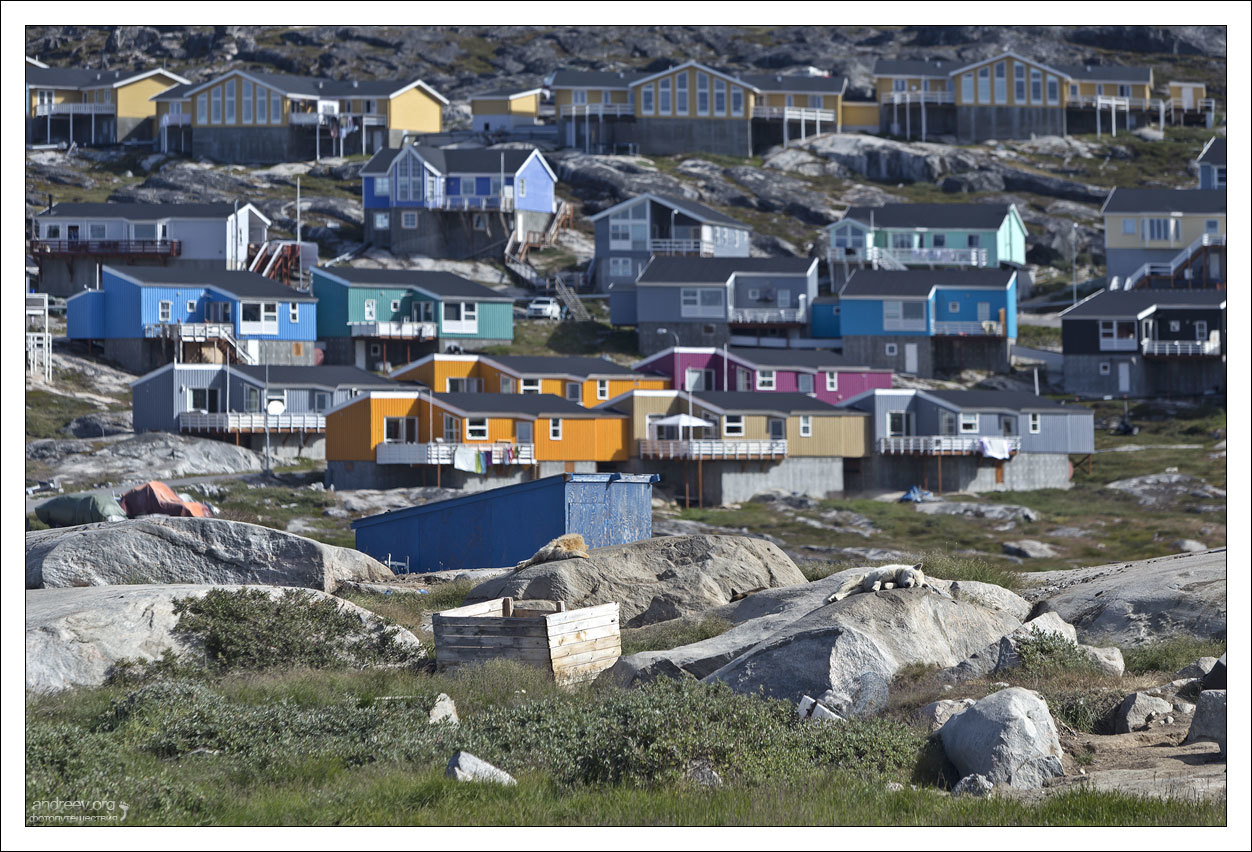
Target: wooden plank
(583, 624)
(582, 672)
(608, 643)
(561, 618)
(479, 655)
(457, 641)
(590, 634)
(492, 627)
(483, 608)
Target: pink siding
(851, 382)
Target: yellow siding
(1192, 228)
(415, 111)
(496, 106)
(843, 436)
(528, 105)
(617, 387)
(582, 439)
(352, 433)
(692, 109)
(133, 99)
(59, 96)
(858, 115)
(1062, 84)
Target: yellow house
(1189, 97)
(252, 116)
(504, 109)
(1158, 231)
(92, 106)
(1086, 83)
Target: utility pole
(1073, 259)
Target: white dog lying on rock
(886, 577)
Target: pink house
(826, 375)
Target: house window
(621, 267)
(1034, 424)
(382, 186)
(832, 380)
(202, 109)
(376, 349)
(1105, 368)
(574, 391)
(703, 302)
(732, 426)
(1036, 86)
(602, 388)
(262, 104)
(702, 93)
(476, 429)
(204, 399)
(480, 222)
(899, 423)
(252, 399)
(1175, 326)
(1158, 229)
(245, 103)
(969, 424)
(276, 108)
(554, 429)
(804, 381)
(164, 309)
(1002, 93)
(939, 240)
(973, 241)
(1054, 90)
(967, 88)
(217, 105)
(1019, 83)
(371, 310)
(765, 380)
(1073, 90)
(506, 384)
(1128, 227)
(806, 426)
(947, 423)
(408, 219)
(521, 187)
(530, 386)
(777, 429)
(451, 429)
(954, 307)
(646, 100)
(891, 349)
(579, 96)
(719, 97)
(230, 102)
(321, 401)
(665, 96)
(97, 232)
(191, 306)
(1219, 176)
(680, 93)
(903, 316)
(984, 85)
(382, 221)
(1201, 330)
(295, 312)
(1212, 226)
(395, 305)
(736, 101)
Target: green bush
(944, 566)
(1089, 710)
(1170, 655)
(1044, 654)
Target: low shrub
(1044, 654)
(1171, 654)
(944, 566)
(672, 634)
(1090, 710)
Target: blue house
(457, 203)
(231, 402)
(924, 321)
(1212, 163)
(970, 440)
(147, 316)
(371, 317)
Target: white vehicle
(544, 307)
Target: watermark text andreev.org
(75, 811)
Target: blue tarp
(917, 495)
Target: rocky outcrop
(989, 511)
(1137, 710)
(653, 580)
(1008, 737)
(75, 636)
(158, 549)
(153, 455)
(1209, 722)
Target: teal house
(374, 318)
(903, 236)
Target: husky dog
(568, 546)
(886, 577)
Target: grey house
(703, 301)
(1212, 163)
(230, 402)
(970, 440)
(630, 233)
(1146, 342)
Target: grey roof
(433, 281)
(504, 93)
(803, 359)
(1006, 401)
(322, 376)
(1123, 200)
(795, 83)
(73, 78)
(919, 282)
(956, 215)
(570, 78)
(248, 285)
(174, 93)
(326, 87)
(713, 270)
(381, 161)
(559, 365)
(913, 68)
(1214, 152)
(456, 160)
(768, 402)
(505, 404)
(1108, 73)
(1131, 303)
(698, 211)
(139, 211)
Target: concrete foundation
(142, 355)
(690, 135)
(1146, 377)
(369, 352)
(1023, 472)
(727, 482)
(346, 476)
(293, 143)
(978, 123)
(698, 333)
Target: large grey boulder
(653, 580)
(1199, 668)
(845, 653)
(74, 636)
(1209, 721)
(1108, 661)
(1029, 548)
(1216, 678)
(937, 713)
(1136, 603)
(1008, 737)
(988, 511)
(159, 549)
(1137, 710)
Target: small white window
(1034, 424)
(554, 429)
(521, 187)
(754, 293)
(382, 186)
(530, 386)
(408, 219)
(732, 425)
(382, 221)
(191, 306)
(164, 309)
(1105, 368)
(395, 305)
(371, 310)
(891, 349)
(969, 424)
(574, 391)
(806, 426)
(295, 312)
(954, 307)
(602, 388)
(832, 380)
(765, 380)
(1129, 226)
(476, 429)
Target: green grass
(593, 337)
(1170, 655)
(409, 608)
(1038, 336)
(48, 413)
(674, 633)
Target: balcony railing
(437, 453)
(1114, 101)
(503, 203)
(190, 331)
(981, 328)
(176, 119)
(1118, 344)
(700, 247)
(937, 256)
(246, 421)
(1167, 270)
(597, 110)
(730, 448)
(1181, 347)
(942, 444)
(792, 113)
(309, 119)
(766, 316)
(918, 98)
(167, 248)
(404, 330)
(43, 110)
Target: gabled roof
(794, 359)
(1214, 152)
(765, 403)
(796, 83)
(320, 376)
(1135, 74)
(452, 161)
(141, 212)
(569, 78)
(324, 87)
(691, 63)
(1165, 201)
(912, 68)
(556, 365)
(510, 94)
(668, 269)
(919, 283)
(983, 217)
(989, 400)
(434, 283)
(1008, 54)
(90, 78)
(174, 93)
(687, 207)
(525, 405)
(247, 285)
(1110, 304)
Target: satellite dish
(275, 407)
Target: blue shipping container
(503, 526)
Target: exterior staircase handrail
(1169, 268)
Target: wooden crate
(574, 644)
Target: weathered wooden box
(574, 644)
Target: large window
(382, 186)
(736, 100)
(702, 93)
(217, 105)
(245, 103)
(903, 316)
(276, 108)
(1129, 227)
(967, 88)
(262, 104)
(984, 85)
(719, 97)
(1002, 93)
(705, 302)
(1036, 86)
(202, 109)
(398, 430)
(451, 429)
(1019, 83)
(646, 100)
(1159, 229)
(230, 102)
(621, 267)
(804, 381)
(1054, 90)
(680, 93)
(665, 96)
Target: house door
(777, 429)
(378, 141)
(525, 432)
(1188, 98)
(910, 357)
(359, 360)
(71, 233)
(984, 311)
(1123, 377)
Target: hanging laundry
(463, 458)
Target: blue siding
(539, 187)
(503, 526)
(623, 306)
(332, 306)
(864, 316)
(825, 320)
(84, 315)
(370, 200)
(304, 329)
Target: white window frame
(1158, 230)
(702, 91)
(1035, 423)
(806, 426)
(1019, 83)
(261, 96)
(245, 103)
(732, 426)
(647, 99)
(451, 429)
(231, 91)
(984, 84)
(766, 380)
(737, 100)
(477, 429)
(1054, 90)
(382, 186)
(293, 312)
(371, 310)
(94, 234)
(191, 307)
(1001, 83)
(954, 307)
(602, 388)
(967, 87)
(891, 349)
(382, 220)
(682, 98)
(832, 380)
(554, 429)
(202, 109)
(1036, 86)
(530, 386)
(1106, 368)
(664, 96)
(693, 303)
(276, 108)
(1130, 227)
(215, 105)
(806, 378)
(165, 310)
(408, 219)
(967, 423)
(719, 94)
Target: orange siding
(582, 439)
(353, 432)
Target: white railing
(791, 113)
(767, 315)
(981, 328)
(700, 247)
(402, 453)
(1197, 105)
(1183, 257)
(1118, 344)
(192, 331)
(406, 329)
(307, 118)
(918, 98)
(904, 325)
(883, 259)
(725, 449)
(596, 110)
(469, 202)
(176, 119)
(946, 256)
(75, 109)
(933, 444)
(246, 421)
(1181, 347)
(1113, 101)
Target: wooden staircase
(279, 260)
